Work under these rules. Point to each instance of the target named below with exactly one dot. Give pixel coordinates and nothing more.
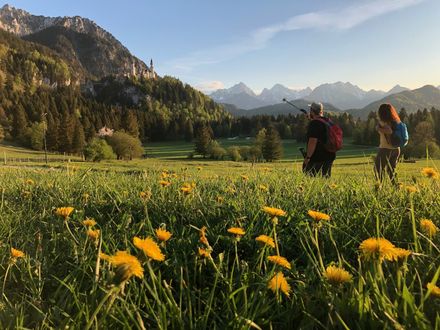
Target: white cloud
(210, 86)
(343, 19)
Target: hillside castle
(147, 73)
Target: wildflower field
(215, 247)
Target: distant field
(178, 150)
(352, 160)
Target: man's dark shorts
(323, 168)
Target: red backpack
(334, 135)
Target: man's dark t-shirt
(318, 130)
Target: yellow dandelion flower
(244, 177)
(220, 199)
(401, 253)
(93, 234)
(64, 211)
(281, 261)
(202, 235)
(149, 247)
(85, 197)
(279, 283)
(274, 212)
(411, 189)
(163, 235)
(89, 222)
(266, 240)
(126, 266)
(333, 186)
(318, 216)
(430, 173)
(435, 290)
(30, 182)
(230, 190)
(164, 175)
(164, 183)
(204, 253)
(336, 275)
(428, 227)
(236, 231)
(187, 187)
(15, 254)
(378, 247)
(26, 194)
(104, 256)
(145, 195)
(264, 188)
(199, 168)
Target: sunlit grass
(305, 273)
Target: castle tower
(152, 73)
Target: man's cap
(316, 107)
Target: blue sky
(374, 44)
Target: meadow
(164, 243)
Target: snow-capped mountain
(341, 95)
(243, 97)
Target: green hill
(425, 97)
(38, 84)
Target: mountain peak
(241, 87)
(397, 89)
(106, 55)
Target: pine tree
(272, 147)
(189, 131)
(20, 123)
(79, 139)
(52, 132)
(66, 132)
(203, 138)
(2, 133)
(130, 123)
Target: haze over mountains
(425, 97)
(341, 95)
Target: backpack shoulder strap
(325, 121)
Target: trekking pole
(293, 105)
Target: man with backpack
(324, 138)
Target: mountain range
(341, 95)
(243, 97)
(76, 51)
(94, 50)
(425, 97)
(421, 98)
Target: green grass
(180, 149)
(58, 284)
(55, 285)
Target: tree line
(423, 127)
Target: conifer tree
(52, 137)
(2, 133)
(79, 140)
(130, 123)
(203, 138)
(66, 131)
(20, 123)
(272, 147)
(189, 131)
